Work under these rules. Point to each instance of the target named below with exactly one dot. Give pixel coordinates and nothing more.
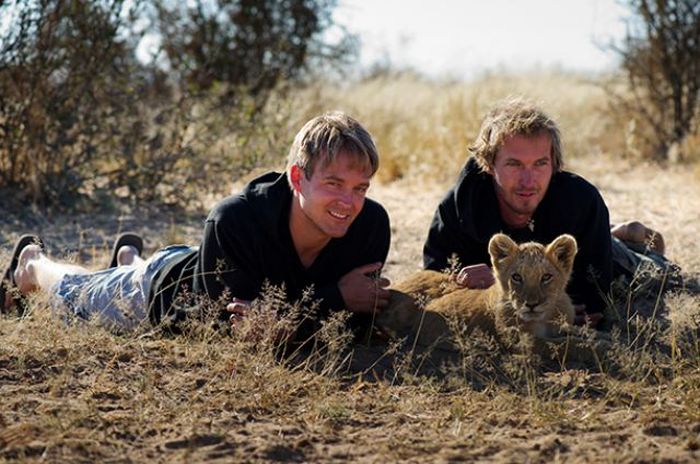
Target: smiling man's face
(333, 197)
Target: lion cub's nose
(532, 306)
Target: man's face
(522, 170)
(333, 197)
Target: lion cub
(529, 294)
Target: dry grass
(80, 393)
(424, 127)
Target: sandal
(8, 285)
(126, 239)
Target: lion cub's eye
(547, 278)
(517, 278)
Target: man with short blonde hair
(308, 229)
(324, 137)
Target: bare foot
(25, 280)
(127, 255)
(636, 232)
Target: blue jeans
(116, 296)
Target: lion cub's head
(533, 279)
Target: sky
(463, 38)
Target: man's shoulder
(373, 215)
(471, 172)
(572, 199)
(374, 208)
(473, 191)
(570, 183)
(258, 195)
(471, 181)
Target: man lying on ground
(514, 183)
(311, 227)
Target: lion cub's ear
(563, 251)
(500, 248)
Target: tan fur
(529, 295)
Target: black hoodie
(247, 242)
(468, 216)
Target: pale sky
(461, 38)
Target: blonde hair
(325, 136)
(515, 116)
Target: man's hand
(581, 318)
(363, 293)
(259, 322)
(238, 309)
(476, 276)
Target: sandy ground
(81, 394)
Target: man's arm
(444, 236)
(226, 263)
(592, 273)
(362, 288)
(446, 239)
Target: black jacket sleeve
(368, 243)
(443, 237)
(592, 274)
(448, 237)
(227, 262)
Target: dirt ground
(79, 393)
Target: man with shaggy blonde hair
(310, 229)
(514, 183)
(513, 117)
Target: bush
(81, 117)
(255, 44)
(660, 60)
(62, 95)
